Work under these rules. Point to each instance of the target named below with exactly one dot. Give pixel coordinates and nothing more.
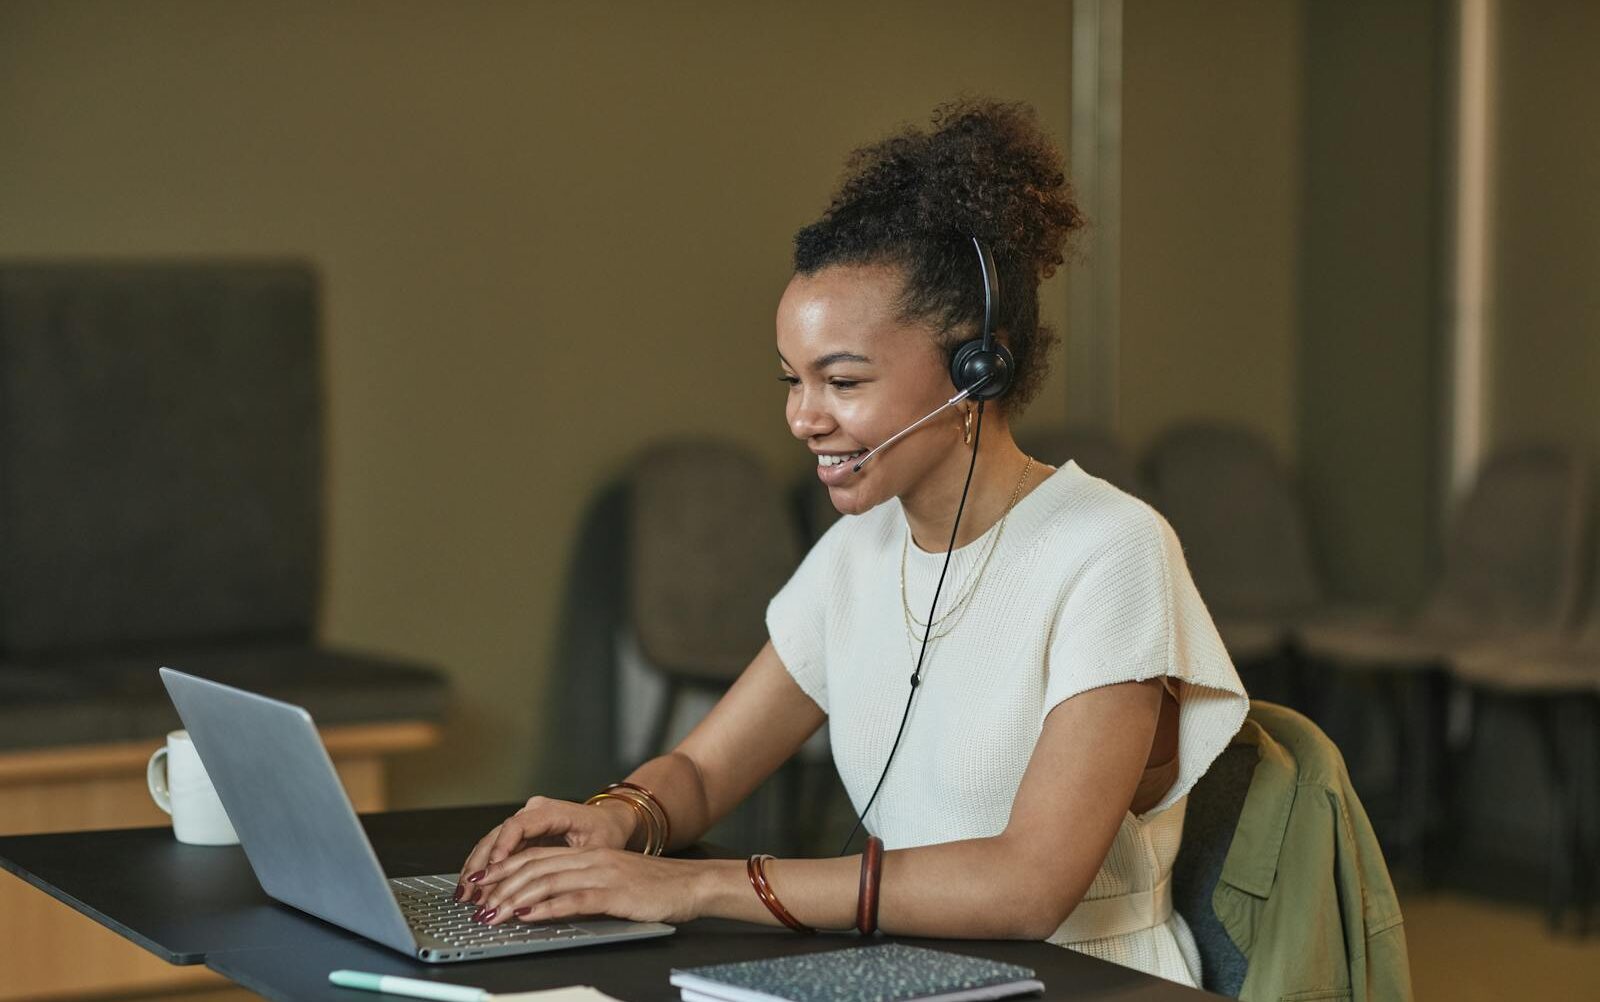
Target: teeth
(836, 460)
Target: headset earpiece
(984, 365)
(973, 362)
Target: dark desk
(192, 904)
(185, 902)
(637, 972)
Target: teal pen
(411, 987)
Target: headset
(981, 369)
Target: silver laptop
(309, 851)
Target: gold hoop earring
(966, 428)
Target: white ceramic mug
(179, 785)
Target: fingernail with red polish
(477, 916)
(525, 909)
(491, 913)
(459, 891)
(477, 876)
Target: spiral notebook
(890, 973)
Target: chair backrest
(1296, 881)
(711, 541)
(1098, 453)
(1242, 525)
(1514, 555)
(1209, 821)
(160, 455)
(1589, 628)
(814, 508)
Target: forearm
(974, 889)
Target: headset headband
(991, 291)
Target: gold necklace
(938, 629)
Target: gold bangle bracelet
(658, 816)
(645, 821)
(651, 801)
(652, 845)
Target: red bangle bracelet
(757, 869)
(871, 877)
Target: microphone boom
(913, 426)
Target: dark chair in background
(813, 508)
(161, 499)
(161, 502)
(1209, 821)
(1298, 815)
(579, 721)
(711, 539)
(1512, 571)
(1246, 540)
(1097, 453)
(1553, 684)
(711, 542)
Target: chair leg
(1440, 777)
(1458, 761)
(1414, 766)
(1565, 838)
(1417, 703)
(1589, 844)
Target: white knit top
(1087, 587)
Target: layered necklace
(942, 624)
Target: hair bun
(986, 170)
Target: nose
(806, 420)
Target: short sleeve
(797, 617)
(1134, 613)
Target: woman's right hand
(542, 821)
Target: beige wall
(1211, 221)
(551, 232)
(548, 232)
(1546, 356)
(1369, 367)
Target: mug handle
(156, 778)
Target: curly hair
(915, 199)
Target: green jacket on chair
(1304, 891)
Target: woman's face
(857, 374)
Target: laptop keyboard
(430, 909)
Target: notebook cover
(890, 973)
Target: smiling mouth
(826, 461)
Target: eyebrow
(832, 358)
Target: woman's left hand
(547, 883)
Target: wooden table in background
(56, 952)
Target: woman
(1072, 688)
